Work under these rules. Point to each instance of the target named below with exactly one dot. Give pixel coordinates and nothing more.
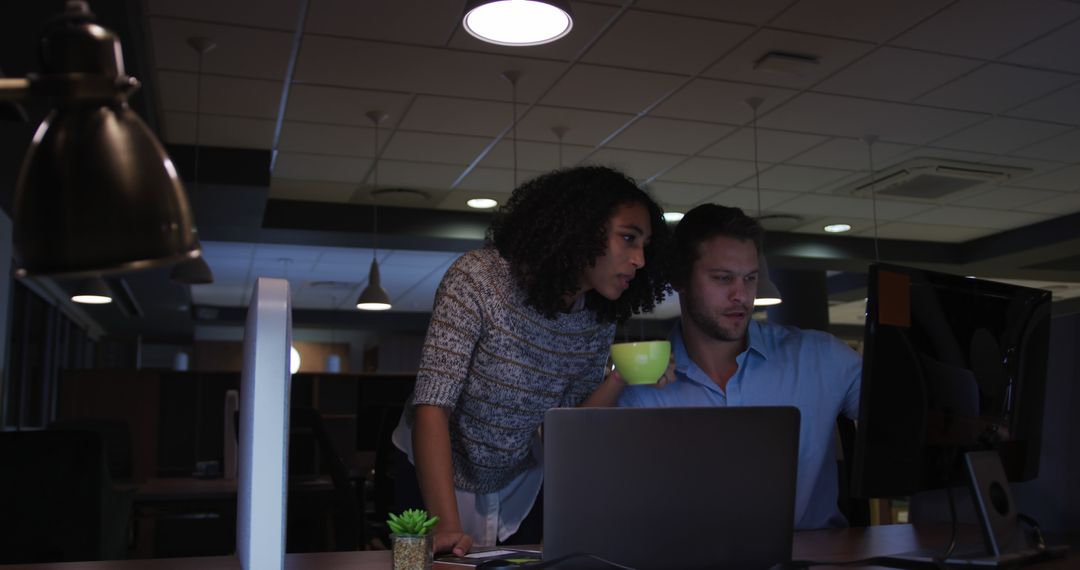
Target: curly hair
(702, 224)
(554, 227)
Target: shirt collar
(755, 333)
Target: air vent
(333, 285)
(779, 222)
(931, 179)
(401, 195)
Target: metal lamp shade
(98, 194)
(92, 291)
(192, 272)
(767, 293)
(374, 297)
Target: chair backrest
(57, 499)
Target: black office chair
(308, 422)
(57, 499)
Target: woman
(519, 327)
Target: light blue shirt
(782, 366)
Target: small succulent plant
(413, 522)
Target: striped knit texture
(498, 365)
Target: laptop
(670, 488)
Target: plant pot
(411, 552)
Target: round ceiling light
(837, 228)
(517, 22)
(481, 203)
(672, 217)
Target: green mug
(641, 362)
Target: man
(725, 358)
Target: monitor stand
(1004, 541)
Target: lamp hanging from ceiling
(560, 132)
(96, 193)
(870, 140)
(518, 22)
(374, 297)
(196, 271)
(767, 292)
(92, 291)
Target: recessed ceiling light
(837, 228)
(673, 216)
(518, 22)
(481, 203)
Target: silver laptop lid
(670, 487)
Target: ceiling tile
(230, 132)
(436, 177)
(1007, 198)
(589, 20)
(660, 42)
(1064, 148)
(310, 190)
(314, 138)
(796, 178)
(343, 106)
(711, 171)
(720, 101)
(771, 200)
(896, 74)
(432, 147)
(996, 88)
(773, 146)
(230, 251)
(284, 257)
(277, 14)
(827, 205)
(424, 70)
(1056, 50)
(924, 232)
(407, 21)
(855, 118)
(240, 51)
(1066, 179)
(639, 165)
(832, 54)
(533, 156)
(499, 180)
(668, 135)
(987, 28)
(874, 21)
(582, 127)
(458, 116)
(291, 165)
(680, 194)
(1000, 135)
(977, 217)
(940, 153)
(850, 154)
(1058, 107)
(610, 89)
(1063, 204)
(257, 98)
(746, 11)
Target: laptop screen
(670, 487)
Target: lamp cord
(374, 203)
(873, 195)
(513, 127)
(198, 107)
(757, 168)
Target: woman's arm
(434, 472)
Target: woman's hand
(456, 542)
(668, 376)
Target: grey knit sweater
(498, 365)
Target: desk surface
(191, 488)
(825, 545)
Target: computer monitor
(951, 364)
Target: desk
(828, 545)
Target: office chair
(857, 511)
(57, 499)
(115, 437)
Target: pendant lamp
(196, 271)
(518, 22)
(767, 293)
(92, 291)
(374, 297)
(96, 193)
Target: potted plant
(411, 539)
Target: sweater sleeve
(457, 323)
(583, 387)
